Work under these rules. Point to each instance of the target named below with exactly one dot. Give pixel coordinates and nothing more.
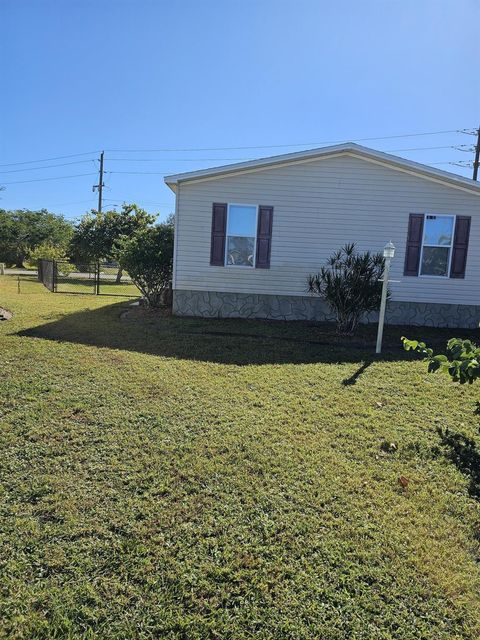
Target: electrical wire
(271, 146)
(73, 155)
(298, 144)
(156, 173)
(468, 147)
(64, 164)
(171, 171)
(48, 166)
(77, 175)
(160, 204)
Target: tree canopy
(147, 255)
(22, 231)
(97, 233)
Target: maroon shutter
(264, 237)
(460, 247)
(219, 229)
(414, 244)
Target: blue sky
(81, 76)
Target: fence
(94, 278)
(46, 276)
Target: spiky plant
(350, 284)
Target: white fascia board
(386, 159)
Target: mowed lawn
(189, 479)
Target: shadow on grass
(228, 341)
(463, 452)
(353, 378)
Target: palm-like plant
(350, 283)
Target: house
(247, 235)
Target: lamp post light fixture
(388, 254)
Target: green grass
(85, 285)
(183, 479)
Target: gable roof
(348, 148)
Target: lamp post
(388, 254)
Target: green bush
(350, 285)
(47, 251)
(147, 255)
(461, 361)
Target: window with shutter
(437, 245)
(460, 247)
(241, 235)
(414, 244)
(264, 236)
(217, 243)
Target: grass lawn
(189, 479)
(87, 286)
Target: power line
(140, 173)
(298, 144)
(172, 159)
(48, 166)
(272, 146)
(465, 147)
(157, 173)
(147, 202)
(77, 175)
(73, 155)
(166, 171)
(459, 147)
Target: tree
(21, 231)
(350, 283)
(47, 251)
(96, 235)
(461, 360)
(147, 255)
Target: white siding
(318, 207)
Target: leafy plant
(350, 284)
(48, 251)
(147, 255)
(96, 235)
(21, 231)
(461, 361)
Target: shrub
(461, 361)
(350, 284)
(48, 251)
(147, 255)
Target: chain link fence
(94, 278)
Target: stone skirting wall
(215, 304)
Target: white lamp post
(388, 254)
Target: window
(241, 235)
(437, 245)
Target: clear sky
(78, 76)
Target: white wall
(318, 207)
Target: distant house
(248, 234)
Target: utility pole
(476, 162)
(100, 184)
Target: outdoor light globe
(389, 250)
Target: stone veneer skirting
(215, 304)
